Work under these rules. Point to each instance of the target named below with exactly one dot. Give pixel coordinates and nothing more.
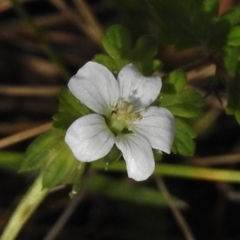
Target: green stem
(182, 171)
(25, 209)
(11, 160)
(45, 45)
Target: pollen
(124, 112)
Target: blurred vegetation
(43, 42)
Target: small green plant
(117, 107)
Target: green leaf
(231, 59)
(114, 65)
(183, 142)
(51, 153)
(175, 27)
(185, 104)
(112, 156)
(234, 36)
(10, 160)
(82, 169)
(127, 192)
(145, 48)
(70, 109)
(180, 101)
(148, 67)
(117, 41)
(40, 150)
(177, 79)
(107, 61)
(233, 106)
(61, 167)
(189, 23)
(232, 16)
(211, 6)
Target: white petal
(95, 86)
(89, 138)
(138, 155)
(137, 89)
(158, 126)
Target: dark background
(213, 208)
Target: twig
(77, 20)
(6, 5)
(229, 192)
(15, 138)
(25, 209)
(7, 128)
(27, 91)
(89, 19)
(182, 171)
(177, 214)
(41, 37)
(77, 193)
(68, 13)
(64, 217)
(207, 120)
(225, 5)
(201, 72)
(215, 160)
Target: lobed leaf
(175, 82)
(145, 48)
(180, 101)
(70, 109)
(183, 142)
(190, 23)
(50, 153)
(233, 106)
(234, 36)
(232, 16)
(185, 104)
(231, 59)
(61, 166)
(40, 150)
(211, 6)
(107, 61)
(117, 41)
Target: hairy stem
(25, 209)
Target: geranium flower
(122, 117)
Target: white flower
(122, 116)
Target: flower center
(122, 115)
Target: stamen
(130, 108)
(124, 112)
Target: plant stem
(182, 171)
(11, 160)
(176, 212)
(26, 134)
(34, 196)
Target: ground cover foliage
(193, 45)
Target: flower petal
(158, 126)
(95, 86)
(137, 89)
(89, 138)
(138, 155)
